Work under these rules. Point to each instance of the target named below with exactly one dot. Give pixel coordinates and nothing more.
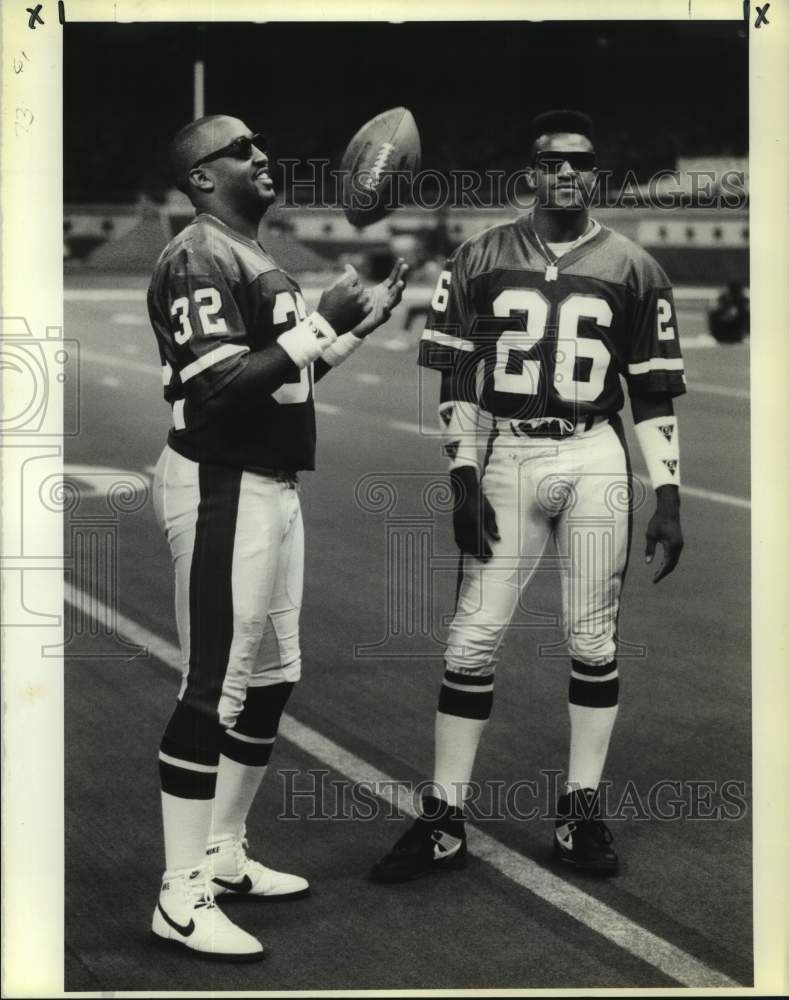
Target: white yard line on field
(713, 497)
(129, 364)
(718, 390)
(693, 491)
(631, 937)
(404, 425)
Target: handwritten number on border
(24, 119)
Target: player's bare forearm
(260, 373)
(647, 407)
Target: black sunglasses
(238, 149)
(552, 162)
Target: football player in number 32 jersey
(239, 358)
(533, 323)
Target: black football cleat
(580, 838)
(432, 844)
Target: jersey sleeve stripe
(167, 374)
(437, 337)
(179, 423)
(212, 358)
(656, 365)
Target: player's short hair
(181, 151)
(561, 120)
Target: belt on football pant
(280, 475)
(554, 428)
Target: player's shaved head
(201, 138)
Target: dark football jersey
(214, 297)
(527, 335)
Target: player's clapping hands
(384, 298)
(345, 303)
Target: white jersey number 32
(209, 303)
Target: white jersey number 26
(570, 344)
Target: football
(377, 166)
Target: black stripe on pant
(193, 733)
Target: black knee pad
(258, 721)
(191, 738)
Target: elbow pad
(460, 433)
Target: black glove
(473, 518)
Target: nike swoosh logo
(445, 845)
(185, 930)
(244, 886)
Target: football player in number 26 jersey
(239, 354)
(533, 326)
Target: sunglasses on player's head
(238, 149)
(552, 162)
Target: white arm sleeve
(460, 431)
(658, 438)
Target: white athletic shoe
(187, 915)
(235, 875)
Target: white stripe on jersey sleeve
(459, 343)
(657, 365)
(178, 415)
(213, 357)
(167, 374)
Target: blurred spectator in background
(730, 320)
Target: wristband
(459, 432)
(342, 348)
(659, 441)
(307, 341)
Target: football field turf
(379, 581)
